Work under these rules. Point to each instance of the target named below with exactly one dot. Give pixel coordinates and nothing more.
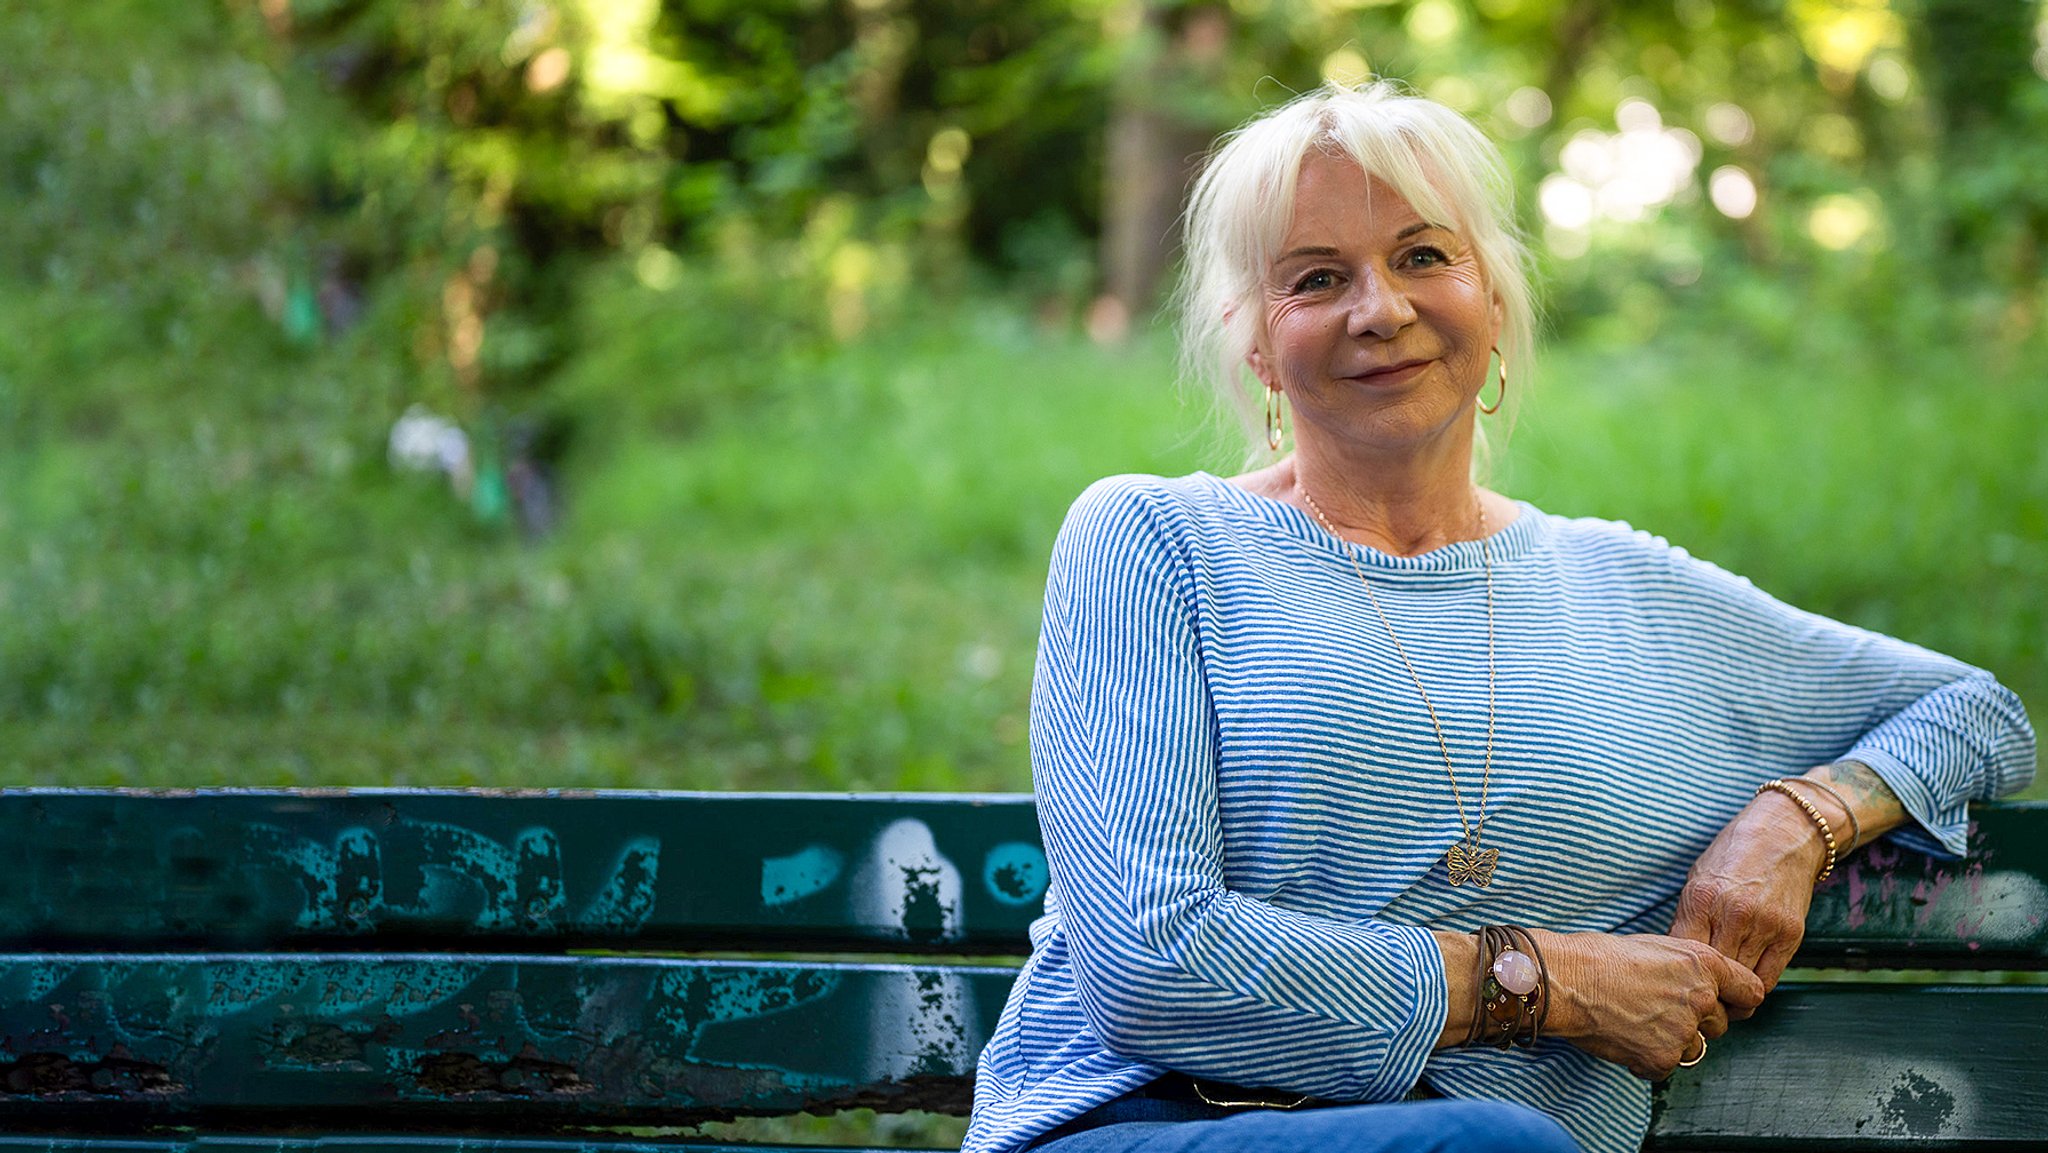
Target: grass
(803, 564)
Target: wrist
(1817, 789)
(1793, 808)
(1567, 965)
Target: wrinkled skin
(1748, 894)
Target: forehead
(1333, 195)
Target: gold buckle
(1259, 1103)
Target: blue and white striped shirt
(1246, 811)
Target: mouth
(1394, 373)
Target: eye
(1427, 256)
(1320, 280)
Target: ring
(1703, 1052)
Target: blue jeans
(1139, 1124)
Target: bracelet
(1855, 826)
(1827, 832)
(1513, 988)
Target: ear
(1500, 317)
(1256, 361)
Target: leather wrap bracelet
(1513, 986)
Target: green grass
(789, 563)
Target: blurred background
(685, 393)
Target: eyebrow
(1325, 250)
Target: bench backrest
(261, 959)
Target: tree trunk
(1152, 152)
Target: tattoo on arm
(1877, 808)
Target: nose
(1379, 306)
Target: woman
(1361, 783)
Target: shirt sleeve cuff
(1937, 830)
(1410, 1048)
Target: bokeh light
(1841, 221)
(1622, 176)
(1732, 191)
(1528, 107)
(1347, 65)
(1728, 124)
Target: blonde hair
(1243, 205)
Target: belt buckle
(1226, 1101)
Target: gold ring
(1703, 1052)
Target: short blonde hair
(1243, 204)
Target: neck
(1402, 508)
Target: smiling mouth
(1393, 373)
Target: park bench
(375, 970)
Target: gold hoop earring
(1503, 386)
(1273, 418)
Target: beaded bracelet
(1513, 988)
(1855, 826)
(1827, 832)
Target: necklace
(1466, 860)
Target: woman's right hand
(1640, 1000)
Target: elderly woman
(1386, 812)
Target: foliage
(835, 583)
(788, 290)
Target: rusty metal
(465, 1039)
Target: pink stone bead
(1515, 972)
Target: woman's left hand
(1748, 894)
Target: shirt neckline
(1505, 545)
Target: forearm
(1859, 806)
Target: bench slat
(1869, 1068)
(439, 869)
(537, 1044)
(382, 1143)
(509, 1042)
(446, 869)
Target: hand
(1640, 1000)
(1748, 894)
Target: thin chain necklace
(1466, 861)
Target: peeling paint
(627, 899)
(1015, 873)
(1914, 1107)
(811, 869)
(906, 887)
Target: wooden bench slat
(1887, 906)
(1866, 1068)
(441, 869)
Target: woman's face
(1379, 324)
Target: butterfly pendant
(1474, 865)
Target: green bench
(382, 970)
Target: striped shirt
(1246, 811)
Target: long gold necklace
(1466, 860)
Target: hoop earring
(1503, 386)
(1273, 418)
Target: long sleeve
(1172, 966)
(1245, 803)
(1809, 690)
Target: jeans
(1140, 1124)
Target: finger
(1692, 922)
(1695, 1048)
(1740, 932)
(1740, 988)
(1715, 1023)
(1771, 965)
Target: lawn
(811, 564)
